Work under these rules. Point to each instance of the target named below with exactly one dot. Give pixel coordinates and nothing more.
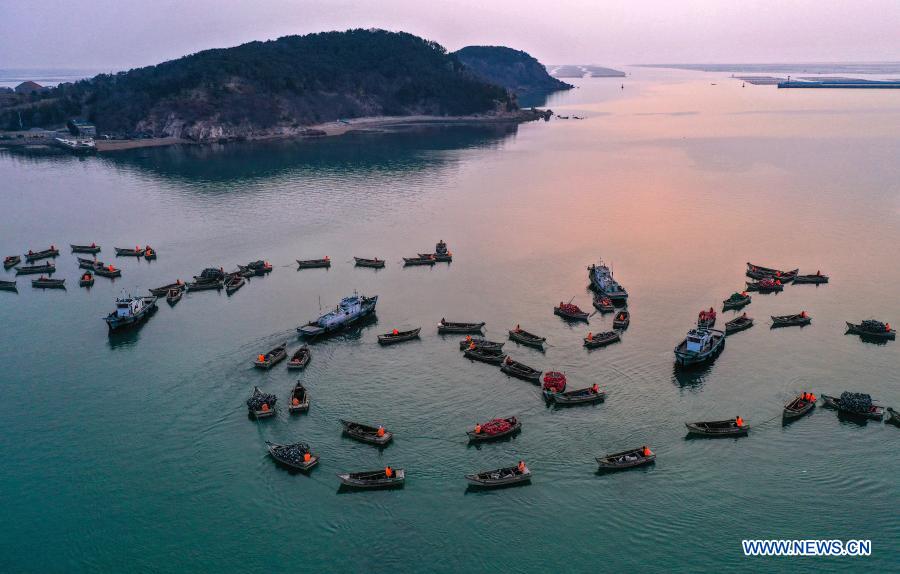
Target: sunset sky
(116, 34)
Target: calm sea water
(137, 450)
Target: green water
(136, 453)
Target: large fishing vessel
(700, 346)
(349, 311)
(602, 281)
(130, 311)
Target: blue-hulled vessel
(349, 311)
(130, 311)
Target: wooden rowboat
(410, 261)
(299, 399)
(577, 397)
(571, 312)
(373, 263)
(47, 268)
(47, 283)
(738, 324)
(515, 427)
(234, 283)
(499, 477)
(270, 359)
(626, 459)
(718, 428)
(490, 356)
(123, 252)
(367, 433)
(86, 280)
(276, 451)
(520, 370)
(525, 338)
(174, 295)
(108, 271)
(457, 327)
(11, 261)
(313, 263)
(439, 257)
(300, 358)
(481, 344)
(797, 407)
(798, 320)
(373, 479)
(603, 304)
(46, 253)
(736, 301)
(8, 285)
(622, 320)
(164, 290)
(810, 279)
(399, 336)
(206, 285)
(92, 248)
(893, 416)
(597, 340)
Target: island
(313, 85)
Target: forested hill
(280, 84)
(515, 70)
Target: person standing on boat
(522, 468)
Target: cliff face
(279, 86)
(515, 70)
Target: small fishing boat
(494, 429)
(47, 283)
(570, 312)
(799, 406)
(375, 263)
(870, 328)
(160, 291)
(313, 263)
(438, 258)
(700, 346)
(410, 261)
(759, 272)
(893, 416)
(85, 263)
(206, 285)
(765, 286)
(8, 286)
(500, 477)
(445, 326)
(349, 311)
(297, 456)
(273, 357)
(300, 358)
(622, 320)
(799, 320)
(124, 252)
(374, 478)
(211, 274)
(520, 370)
(261, 405)
(259, 267)
(149, 253)
(855, 404)
(299, 399)
(587, 395)
(736, 301)
(815, 279)
(92, 248)
(110, 271)
(706, 319)
(86, 280)
(738, 324)
(485, 355)
(366, 433)
(47, 268)
(730, 427)
(480, 343)
(597, 340)
(397, 336)
(627, 459)
(174, 295)
(603, 304)
(523, 337)
(234, 283)
(46, 253)
(130, 311)
(11, 261)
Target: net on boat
(496, 426)
(293, 453)
(570, 308)
(554, 381)
(873, 326)
(259, 398)
(858, 402)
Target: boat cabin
(697, 340)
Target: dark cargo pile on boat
(873, 326)
(292, 453)
(857, 402)
(259, 398)
(496, 426)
